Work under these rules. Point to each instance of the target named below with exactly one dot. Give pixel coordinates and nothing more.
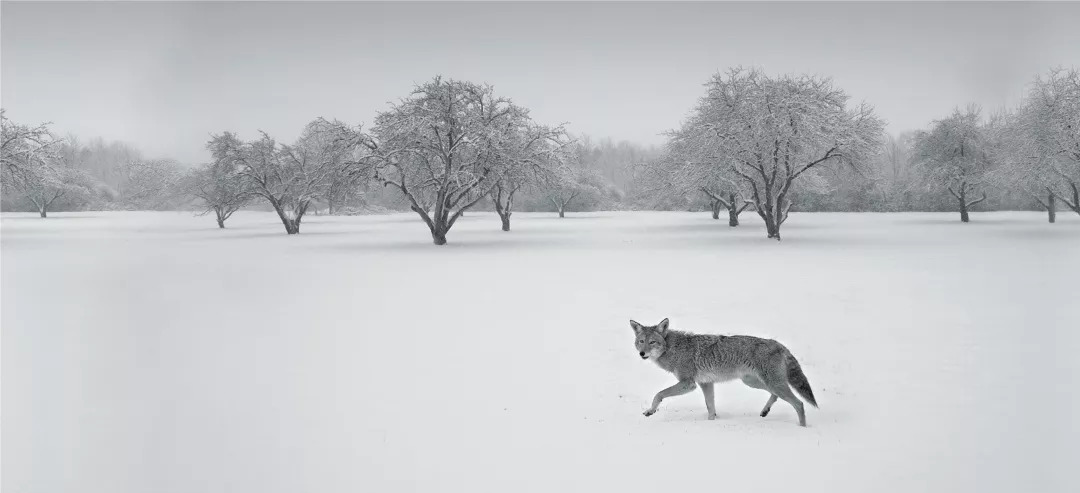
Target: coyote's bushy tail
(798, 380)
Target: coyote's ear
(636, 326)
(662, 326)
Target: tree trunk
(438, 223)
(42, 206)
(503, 212)
(766, 212)
(1051, 208)
(772, 223)
(1075, 206)
(438, 235)
(560, 204)
(963, 203)
(715, 205)
(733, 211)
(291, 221)
(772, 228)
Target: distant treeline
(753, 142)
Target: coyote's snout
(703, 359)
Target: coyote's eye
(655, 343)
(640, 341)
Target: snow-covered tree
(340, 188)
(1019, 165)
(23, 145)
(531, 155)
(348, 182)
(772, 131)
(954, 155)
(221, 188)
(35, 166)
(45, 175)
(1049, 128)
(562, 190)
(695, 162)
(290, 177)
(573, 182)
(441, 148)
(151, 184)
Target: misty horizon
(164, 76)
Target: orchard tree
(695, 161)
(1050, 124)
(573, 180)
(443, 148)
(570, 184)
(290, 177)
(1021, 166)
(45, 176)
(954, 155)
(562, 190)
(347, 181)
(771, 131)
(530, 155)
(34, 165)
(502, 195)
(1038, 145)
(151, 184)
(221, 188)
(658, 184)
(340, 187)
(23, 146)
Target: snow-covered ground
(152, 352)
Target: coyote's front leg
(680, 388)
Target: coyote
(703, 359)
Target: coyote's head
(650, 340)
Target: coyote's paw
(649, 412)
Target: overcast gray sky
(163, 76)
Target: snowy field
(152, 352)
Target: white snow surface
(153, 352)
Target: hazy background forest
(118, 176)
